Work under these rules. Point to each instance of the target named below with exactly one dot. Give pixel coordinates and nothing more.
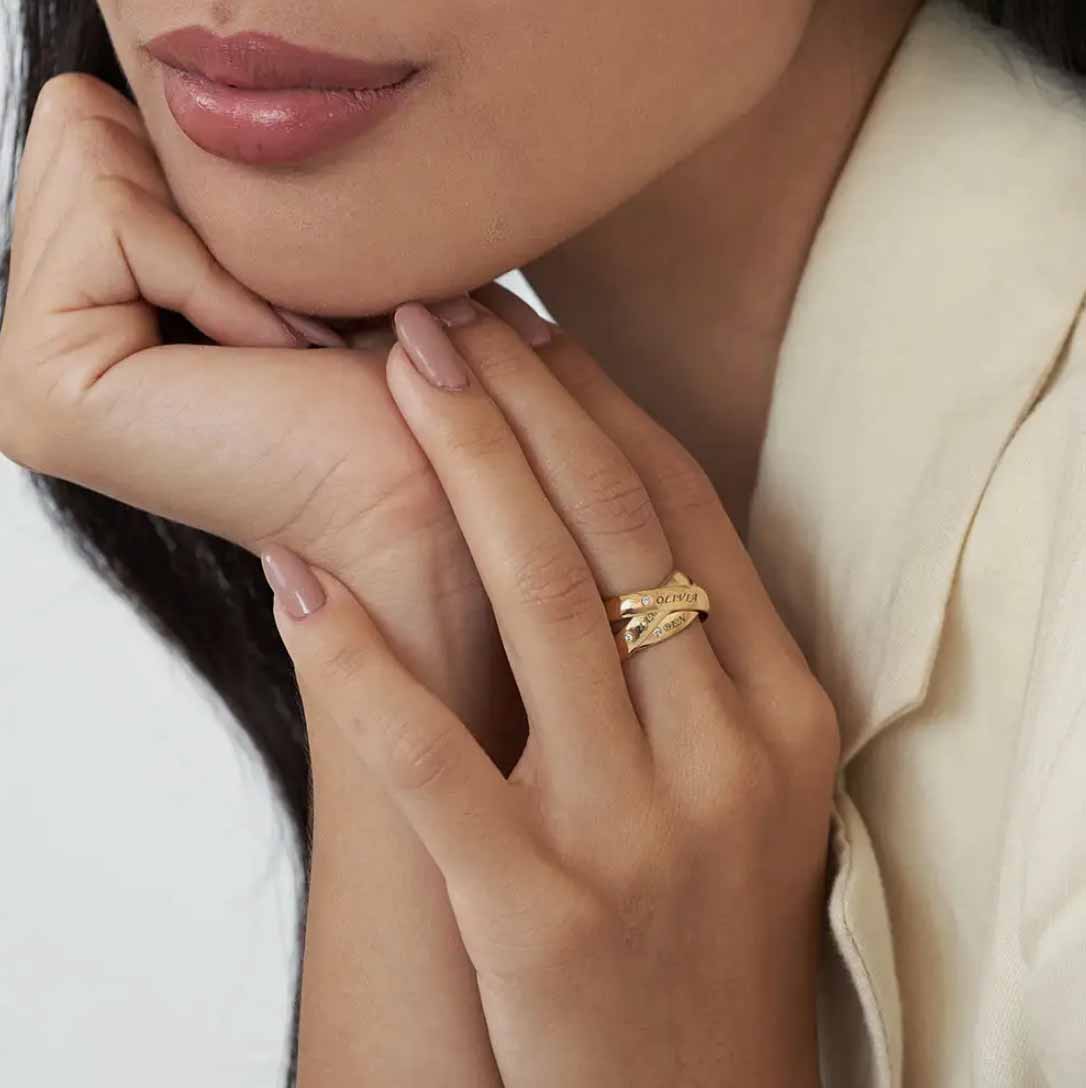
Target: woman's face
(534, 118)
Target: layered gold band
(651, 616)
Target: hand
(642, 898)
(247, 438)
(251, 439)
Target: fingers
(64, 103)
(596, 491)
(454, 797)
(61, 189)
(121, 246)
(96, 225)
(545, 598)
(744, 628)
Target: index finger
(545, 597)
(63, 101)
(455, 798)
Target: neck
(683, 293)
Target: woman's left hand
(642, 898)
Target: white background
(147, 893)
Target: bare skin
(405, 1009)
(711, 140)
(697, 338)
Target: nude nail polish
(427, 345)
(534, 330)
(293, 583)
(314, 331)
(454, 312)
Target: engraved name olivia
(672, 598)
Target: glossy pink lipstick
(258, 99)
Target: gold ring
(651, 616)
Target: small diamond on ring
(646, 600)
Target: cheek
(535, 119)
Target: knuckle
(415, 758)
(555, 922)
(101, 144)
(809, 738)
(581, 374)
(682, 484)
(742, 792)
(114, 195)
(481, 438)
(578, 921)
(93, 139)
(344, 662)
(65, 95)
(765, 775)
(558, 588)
(614, 500)
(68, 96)
(496, 352)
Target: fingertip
(396, 355)
(296, 586)
(284, 335)
(309, 330)
(316, 614)
(396, 359)
(519, 314)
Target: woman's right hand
(255, 441)
(247, 438)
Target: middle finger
(546, 601)
(600, 497)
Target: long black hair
(205, 596)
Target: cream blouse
(920, 521)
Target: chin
(344, 271)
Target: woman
(820, 260)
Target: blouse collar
(939, 293)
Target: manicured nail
(421, 335)
(314, 331)
(533, 329)
(293, 583)
(456, 311)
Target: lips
(258, 99)
(264, 62)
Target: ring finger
(749, 637)
(591, 485)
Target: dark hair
(1056, 28)
(205, 596)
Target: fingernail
(293, 583)
(314, 331)
(456, 311)
(533, 329)
(429, 348)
